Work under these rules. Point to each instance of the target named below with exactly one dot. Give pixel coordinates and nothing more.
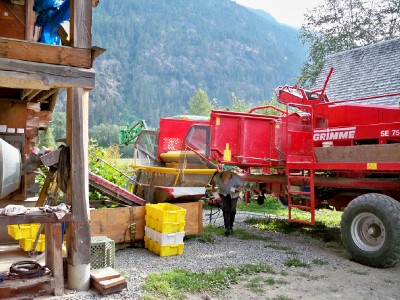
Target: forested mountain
(160, 52)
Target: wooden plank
(45, 53)
(104, 274)
(112, 287)
(361, 153)
(13, 114)
(12, 21)
(116, 223)
(193, 218)
(54, 260)
(33, 218)
(32, 75)
(111, 222)
(106, 284)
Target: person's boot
(227, 223)
(231, 221)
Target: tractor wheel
(370, 230)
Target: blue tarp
(50, 14)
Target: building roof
(362, 72)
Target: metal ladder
(300, 172)
(307, 197)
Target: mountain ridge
(160, 52)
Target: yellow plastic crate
(23, 231)
(166, 250)
(27, 244)
(165, 227)
(166, 212)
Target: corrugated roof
(362, 72)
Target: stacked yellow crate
(26, 235)
(164, 230)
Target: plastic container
(10, 168)
(102, 252)
(166, 250)
(166, 238)
(166, 212)
(165, 227)
(27, 244)
(23, 231)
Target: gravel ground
(136, 263)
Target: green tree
(271, 111)
(58, 125)
(337, 25)
(105, 134)
(239, 104)
(199, 105)
(46, 139)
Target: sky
(289, 12)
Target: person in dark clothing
(229, 185)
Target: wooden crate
(117, 223)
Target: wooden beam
(46, 94)
(81, 24)
(30, 21)
(25, 93)
(33, 95)
(31, 75)
(44, 53)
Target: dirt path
(337, 278)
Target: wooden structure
(53, 230)
(31, 75)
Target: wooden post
(54, 259)
(78, 232)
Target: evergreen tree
(337, 25)
(199, 105)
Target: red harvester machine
(315, 153)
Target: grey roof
(365, 71)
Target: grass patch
(211, 231)
(319, 262)
(284, 273)
(278, 247)
(174, 284)
(209, 234)
(295, 262)
(270, 206)
(319, 231)
(242, 234)
(326, 217)
(281, 281)
(255, 284)
(311, 277)
(282, 297)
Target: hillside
(160, 52)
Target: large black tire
(370, 230)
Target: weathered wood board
(362, 153)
